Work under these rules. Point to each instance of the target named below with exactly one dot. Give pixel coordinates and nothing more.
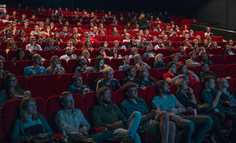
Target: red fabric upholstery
(47, 54)
(217, 51)
(149, 93)
(90, 100)
(151, 61)
(9, 66)
(231, 70)
(92, 77)
(115, 63)
(119, 75)
(197, 88)
(159, 73)
(72, 64)
(21, 65)
(230, 59)
(44, 85)
(217, 59)
(66, 80)
(22, 81)
(220, 70)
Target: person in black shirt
(131, 77)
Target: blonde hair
(136, 58)
(107, 69)
(52, 59)
(23, 107)
(158, 56)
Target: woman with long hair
(55, 66)
(31, 125)
(99, 64)
(12, 90)
(87, 45)
(20, 55)
(145, 78)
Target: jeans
(200, 123)
(133, 122)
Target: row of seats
(83, 102)
(47, 85)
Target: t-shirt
(28, 71)
(168, 75)
(165, 104)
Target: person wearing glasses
(32, 45)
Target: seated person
(186, 97)
(11, 45)
(35, 31)
(35, 69)
(149, 52)
(99, 64)
(32, 45)
(77, 85)
(116, 44)
(228, 50)
(194, 127)
(64, 31)
(204, 57)
(159, 45)
(119, 125)
(133, 52)
(102, 52)
(31, 124)
(131, 77)
(126, 62)
(42, 36)
(87, 45)
(191, 62)
(12, 90)
(22, 37)
(114, 53)
(182, 51)
(159, 61)
(108, 80)
(20, 55)
(7, 36)
(227, 95)
(83, 66)
(55, 66)
(144, 43)
(145, 79)
(50, 45)
(139, 63)
(188, 75)
(70, 44)
(153, 122)
(74, 38)
(68, 54)
(206, 71)
(170, 76)
(212, 96)
(175, 58)
(73, 122)
(87, 37)
(132, 43)
(86, 55)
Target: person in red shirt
(170, 76)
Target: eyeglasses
(69, 100)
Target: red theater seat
(120, 74)
(9, 66)
(230, 59)
(120, 95)
(217, 59)
(92, 77)
(72, 64)
(115, 63)
(44, 85)
(220, 70)
(21, 65)
(149, 93)
(197, 88)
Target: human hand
(42, 135)
(176, 119)
(118, 124)
(154, 112)
(83, 129)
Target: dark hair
(149, 77)
(9, 95)
(202, 64)
(98, 59)
(170, 64)
(129, 68)
(99, 49)
(101, 91)
(191, 53)
(18, 52)
(179, 69)
(159, 86)
(207, 78)
(75, 76)
(127, 86)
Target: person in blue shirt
(35, 69)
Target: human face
(68, 102)
(225, 83)
(36, 28)
(101, 63)
(37, 60)
(12, 81)
(132, 72)
(86, 55)
(55, 62)
(205, 57)
(194, 56)
(145, 73)
(132, 93)
(105, 44)
(211, 84)
(68, 51)
(166, 89)
(109, 75)
(173, 69)
(31, 108)
(148, 49)
(139, 59)
(184, 70)
(33, 39)
(160, 58)
(176, 58)
(83, 61)
(205, 68)
(127, 60)
(51, 42)
(106, 97)
(116, 44)
(70, 44)
(78, 81)
(185, 85)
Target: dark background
(219, 13)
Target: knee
(137, 115)
(190, 126)
(164, 115)
(210, 121)
(172, 126)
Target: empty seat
(22, 81)
(220, 70)
(44, 85)
(115, 63)
(47, 54)
(9, 66)
(21, 65)
(115, 37)
(217, 59)
(231, 70)
(230, 59)
(72, 64)
(217, 51)
(4, 54)
(101, 37)
(92, 78)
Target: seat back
(21, 65)
(149, 93)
